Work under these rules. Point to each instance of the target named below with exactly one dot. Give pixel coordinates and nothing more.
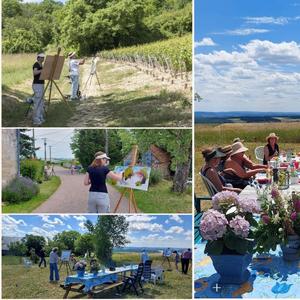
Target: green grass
(160, 198)
(126, 98)
(47, 188)
(19, 282)
(254, 135)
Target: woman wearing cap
(272, 148)
(96, 176)
(212, 160)
(239, 168)
(38, 90)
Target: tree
(33, 241)
(26, 145)
(18, 248)
(66, 239)
(86, 142)
(84, 243)
(108, 232)
(11, 8)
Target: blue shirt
(53, 259)
(144, 257)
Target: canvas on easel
(129, 188)
(52, 71)
(65, 260)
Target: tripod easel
(67, 266)
(54, 74)
(131, 199)
(93, 73)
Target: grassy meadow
(253, 134)
(127, 97)
(47, 188)
(20, 282)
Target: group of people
(184, 257)
(38, 85)
(229, 168)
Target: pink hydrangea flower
(249, 205)
(213, 225)
(294, 216)
(297, 205)
(266, 219)
(275, 193)
(225, 197)
(240, 226)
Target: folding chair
(212, 190)
(259, 153)
(135, 281)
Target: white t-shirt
(74, 66)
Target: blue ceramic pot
(232, 268)
(291, 251)
(80, 273)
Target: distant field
(254, 135)
(20, 282)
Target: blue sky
(247, 55)
(59, 139)
(144, 230)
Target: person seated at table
(239, 168)
(271, 149)
(209, 170)
(227, 151)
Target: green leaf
(214, 247)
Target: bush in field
(19, 190)
(17, 248)
(33, 169)
(156, 176)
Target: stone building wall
(9, 155)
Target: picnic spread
(89, 282)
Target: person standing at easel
(74, 74)
(38, 89)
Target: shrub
(33, 169)
(156, 176)
(19, 190)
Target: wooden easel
(51, 81)
(131, 198)
(93, 73)
(67, 266)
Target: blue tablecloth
(271, 277)
(90, 280)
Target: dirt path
(123, 85)
(72, 195)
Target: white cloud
(188, 235)
(46, 225)
(140, 218)
(80, 218)
(65, 217)
(243, 31)
(139, 226)
(8, 220)
(176, 218)
(41, 232)
(156, 237)
(167, 221)
(258, 72)
(175, 229)
(267, 20)
(69, 227)
(82, 226)
(208, 42)
(55, 221)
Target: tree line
(100, 239)
(89, 26)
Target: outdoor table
(90, 281)
(283, 159)
(271, 277)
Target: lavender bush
(19, 190)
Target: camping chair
(197, 234)
(157, 274)
(212, 190)
(259, 154)
(147, 271)
(26, 262)
(134, 281)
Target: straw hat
(272, 135)
(71, 54)
(226, 149)
(237, 139)
(238, 147)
